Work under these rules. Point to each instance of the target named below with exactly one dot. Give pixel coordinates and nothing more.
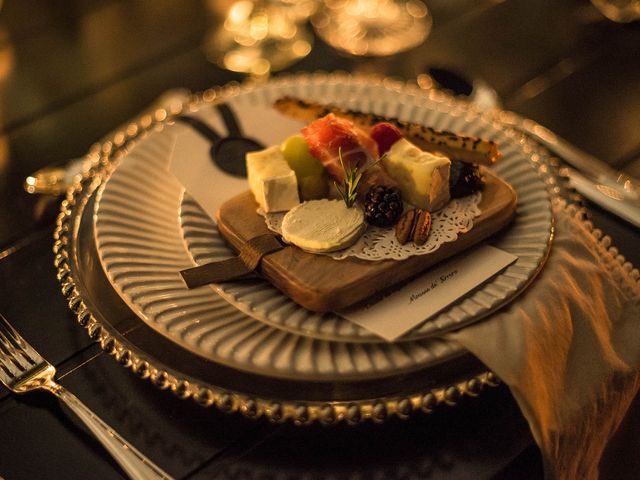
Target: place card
(191, 160)
(190, 163)
(406, 308)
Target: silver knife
(604, 195)
(611, 189)
(626, 187)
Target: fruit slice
(296, 153)
(385, 135)
(309, 171)
(323, 225)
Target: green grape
(296, 153)
(313, 187)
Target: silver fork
(22, 370)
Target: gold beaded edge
(299, 412)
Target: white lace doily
(380, 243)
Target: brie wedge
(271, 180)
(423, 177)
(323, 225)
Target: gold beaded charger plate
(337, 379)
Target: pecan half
(404, 227)
(414, 225)
(421, 228)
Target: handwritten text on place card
(408, 307)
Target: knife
(611, 189)
(604, 195)
(625, 187)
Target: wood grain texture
(322, 284)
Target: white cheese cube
(423, 178)
(271, 180)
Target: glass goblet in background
(258, 37)
(621, 11)
(373, 27)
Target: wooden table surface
(72, 71)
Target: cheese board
(321, 283)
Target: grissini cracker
(457, 147)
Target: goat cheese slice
(323, 225)
(271, 180)
(423, 177)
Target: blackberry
(383, 206)
(464, 179)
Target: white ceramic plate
(143, 242)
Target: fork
(22, 370)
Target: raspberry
(383, 206)
(385, 135)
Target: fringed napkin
(569, 347)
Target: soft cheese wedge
(423, 178)
(271, 180)
(323, 225)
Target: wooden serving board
(322, 284)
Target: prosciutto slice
(330, 134)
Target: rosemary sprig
(348, 189)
